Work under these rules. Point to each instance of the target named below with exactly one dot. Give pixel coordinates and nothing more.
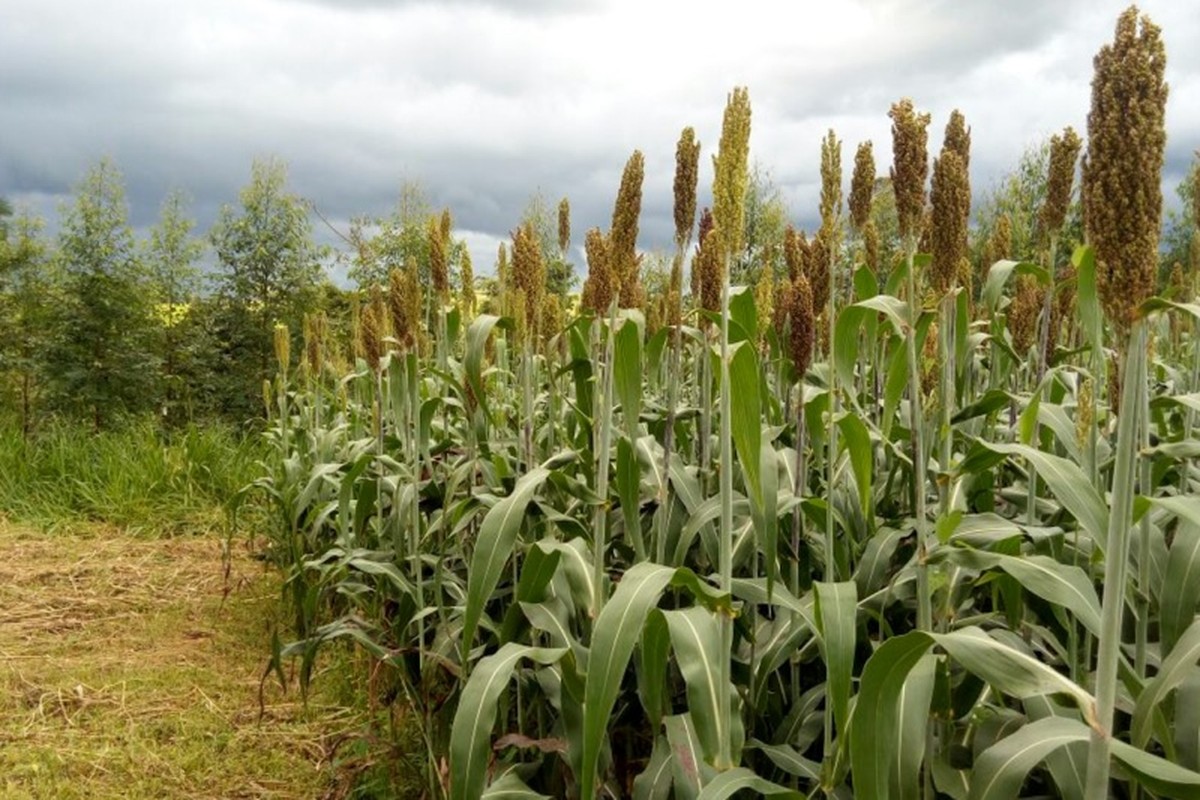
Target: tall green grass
(138, 477)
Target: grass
(130, 668)
(136, 478)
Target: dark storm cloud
(485, 103)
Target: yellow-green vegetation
(130, 668)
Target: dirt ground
(131, 668)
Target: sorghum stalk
(910, 166)
(687, 157)
(729, 198)
(831, 212)
(1116, 563)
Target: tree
(28, 285)
(766, 221)
(1181, 239)
(269, 267)
(400, 240)
(99, 361)
(171, 255)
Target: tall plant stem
(835, 407)
(797, 516)
(916, 419)
(1189, 419)
(1116, 563)
(725, 558)
(604, 419)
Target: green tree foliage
(269, 267)
(28, 285)
(99, 362)
(1180, 245)
(766, 221)
(172, 253)
(396, 241)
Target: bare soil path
(127, 670)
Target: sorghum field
(905, 506)
(879, 523)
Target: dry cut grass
(130, 668)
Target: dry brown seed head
(467, 295)
(910, 165)
(764, 294)
(564, 226)
(601, 284)
(1126, 144)
(816, 269)
(871, 245)
(624, 232)
(1023, 312)
(687, 164)
(529, 273)
(439, 272)
(958, 138)
(674, 315)
(951, 198)
(1085, 412)
(710, 265)
(831, 183)
(795, 251)
(862, 187)
(1064, 153)
(803, 325)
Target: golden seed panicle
(730, 167)
(283, 347)
(1122, 179)
(803, 325)
(687, 164)
(706, 225)
(564, 226)
(958, 138)
(1023, 313)
(623, 235)
(862, 186)
(816, 266)
(950, 194)
(1064, 153)
(467, 294)
(674, 313)
(601, 284)
(831, 183)
(910, 165)
(529, 273)
(871, 245)
(439, 271)
(710, 264)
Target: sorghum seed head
(529, 272)
(624, 232)
(1122, 180)
(439, 272)
(564, 225)
(687, 163)
(803, 321)
(862, 186)
(601, 285)
(958, 138)
(1064, 153)
(731, 166)
(283, 347)
(831, 182)
(871, 245)
(910, 165)
(1023, 312)
(951, 197)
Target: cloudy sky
(485, 102)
